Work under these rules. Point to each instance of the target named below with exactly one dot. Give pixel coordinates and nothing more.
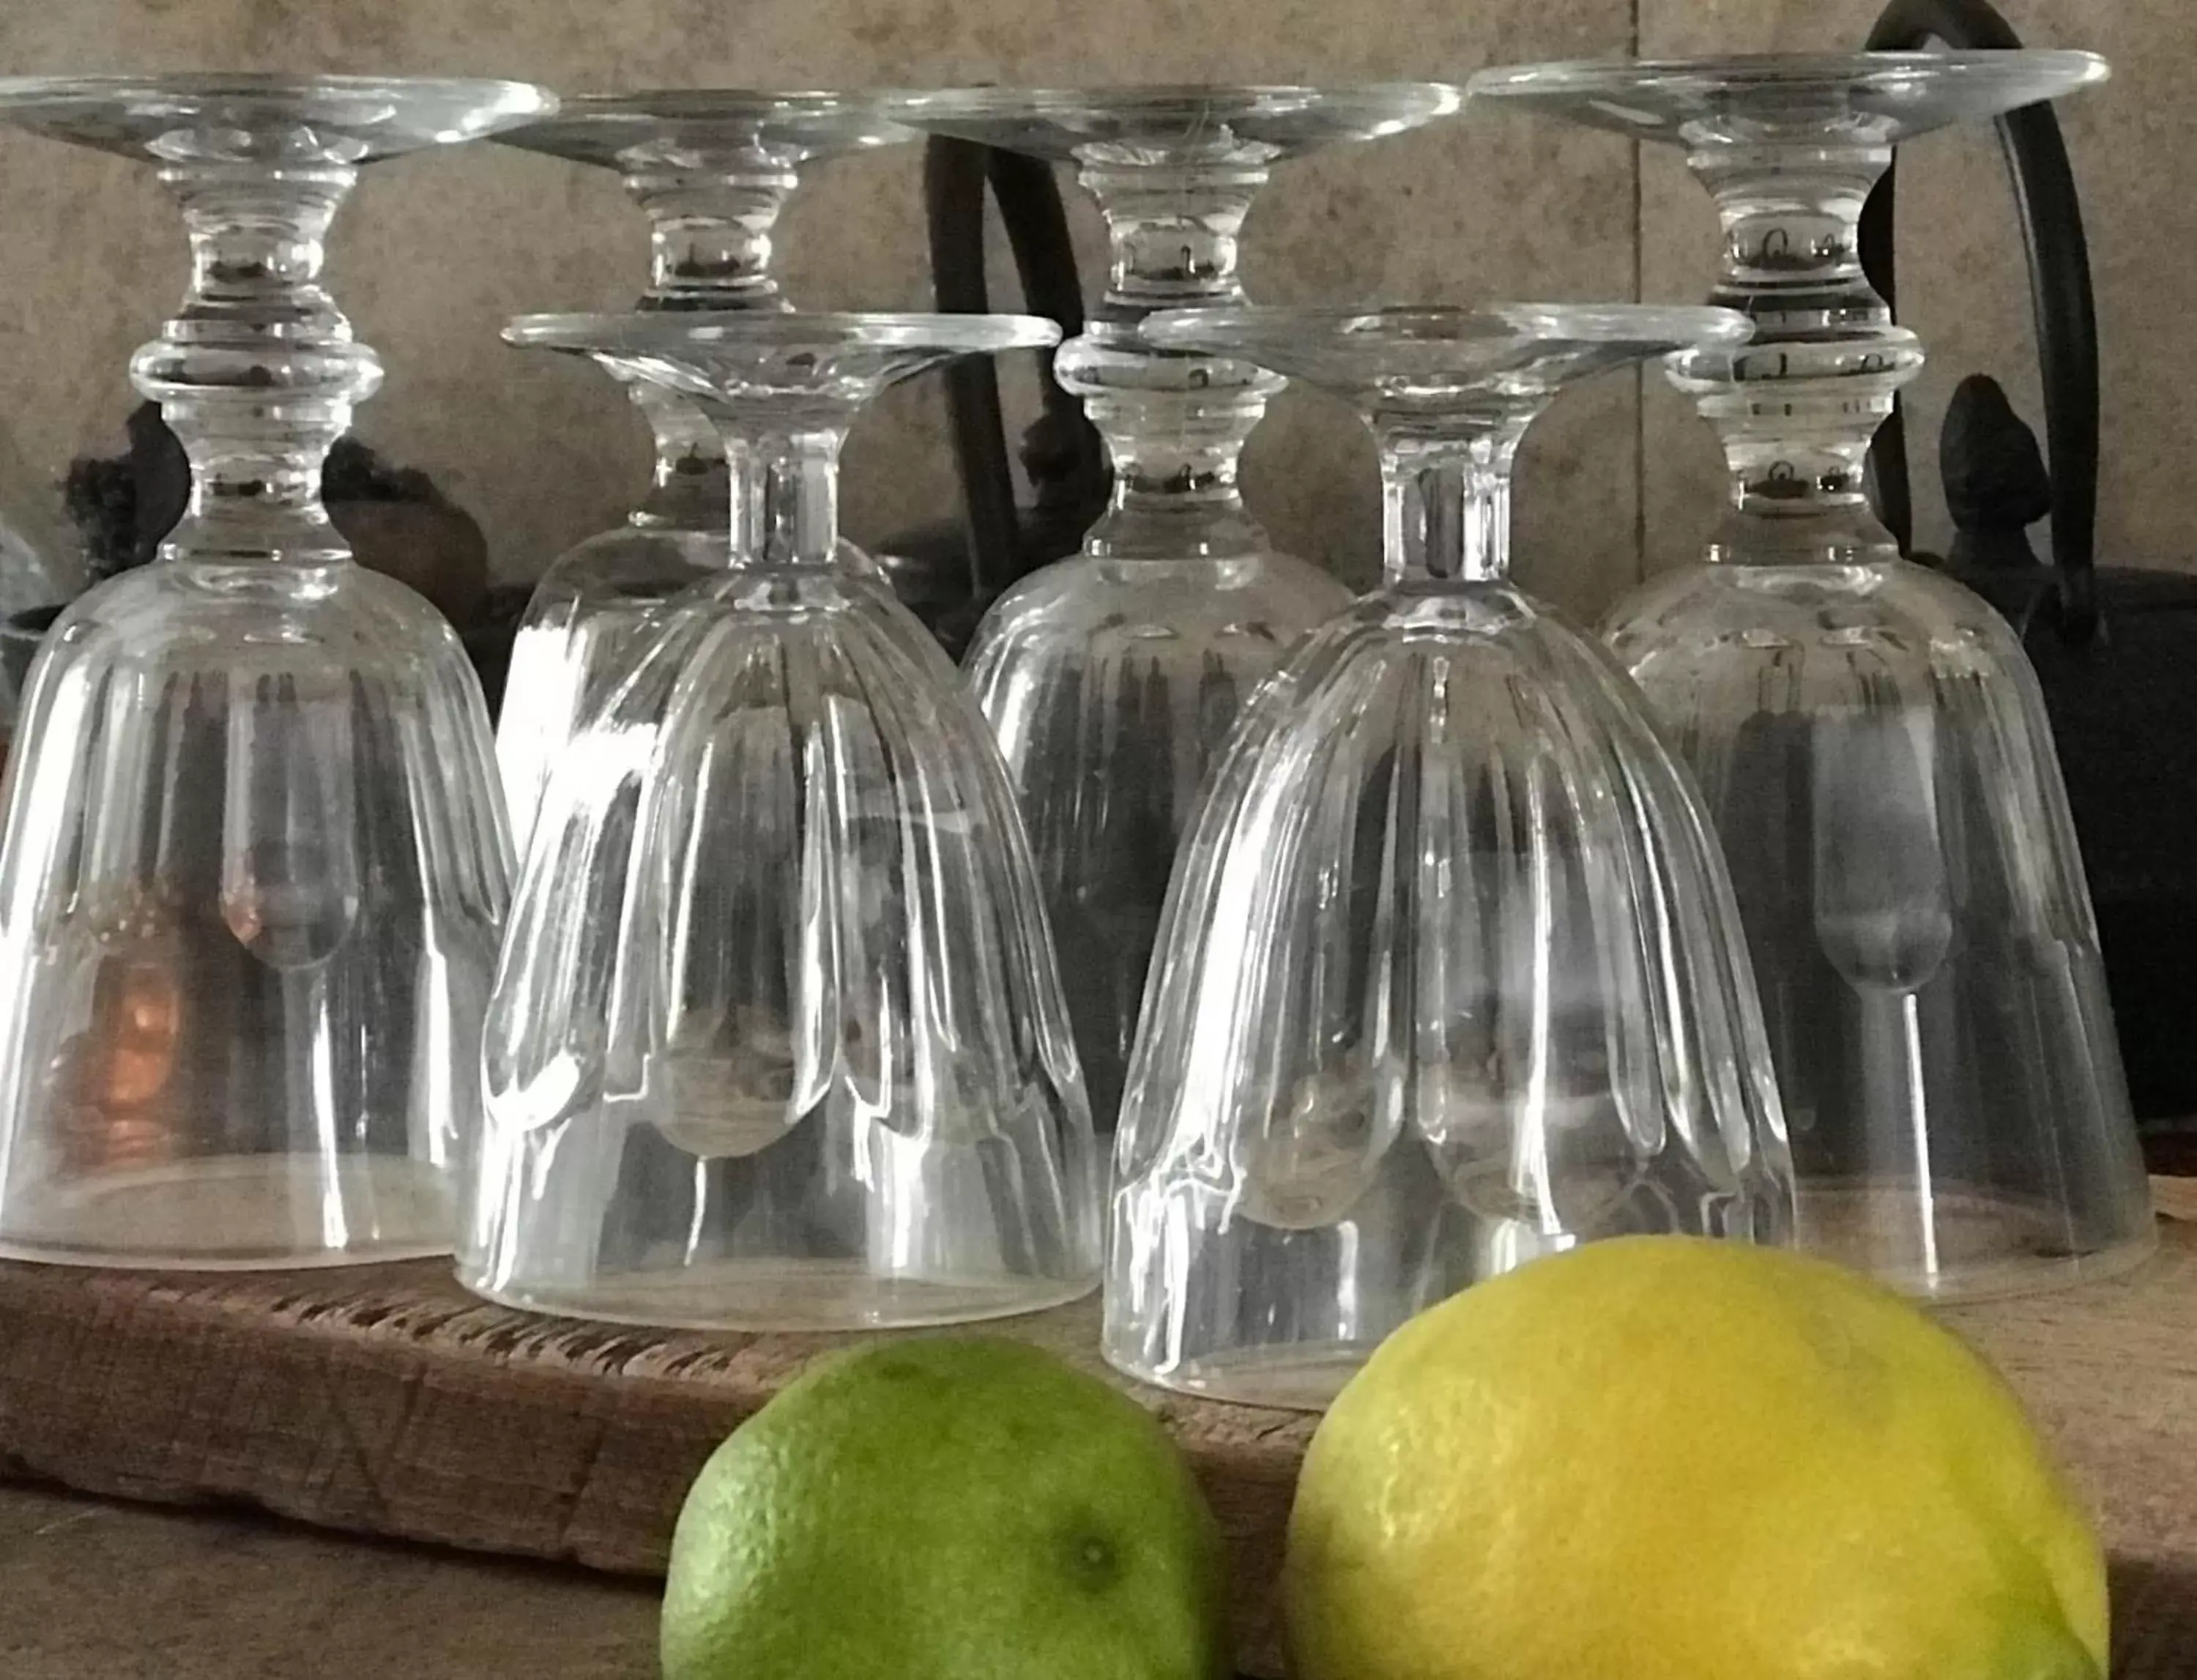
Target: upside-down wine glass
(777, 1039)
(254, 863)
(1449, 975)
(711, 169)
(1868, 734)
(1111, 679)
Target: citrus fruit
(946, 1508)
(1665, 1458)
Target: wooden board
(385, 1400)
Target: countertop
(93, 1590)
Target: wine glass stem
(1791, 215)
(687, 490)
(257, 372)
(1175, 455)
(259, 242)
(784, 489)
(1174, 424)
(1445, 505)
(1796, 444)
(256, 488)
(1798, 497)
(1782, 477)
(1174, 230)
(710, 234)
(709, 248)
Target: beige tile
(434, 252)
(1962, 285)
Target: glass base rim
(418, 1187)
(1328, 1366)
(218, 83)
(122, 112)
(2014, 1280)
(799, 125)
(583, 1304)
(1999, 1277)
(1566, 77)
(748, 334)
(323, 1260)
(1801, 107)
(1052, 122)
(1045, 98)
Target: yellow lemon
(1662, 1458)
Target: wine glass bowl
(1449, 975)
(778, 1040)
(1867, 736)
(254, 867)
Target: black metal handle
(2061, 297)
(1029, 196)
(953, 176)
(956, 173)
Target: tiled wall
(435, 252)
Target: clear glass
(1111, 679)
(42, 564)
(254, 863)
(1868, 735)
(711, 169)
(1450, 976)
(777, 1039)
(1790, 145)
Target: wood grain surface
(385, 1400)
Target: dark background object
(2115, 647)
(122, 505)
(950, 570)
(489, 638)
(19, 640)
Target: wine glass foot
(1303, 1376)
(1949, 1243)
(815, 1295)
(237, 1214)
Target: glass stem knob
(257, 372)
(709, 231)
(1791, 258)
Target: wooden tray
(384, 1400)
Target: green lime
(946, 1508)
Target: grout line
(1640, 373)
